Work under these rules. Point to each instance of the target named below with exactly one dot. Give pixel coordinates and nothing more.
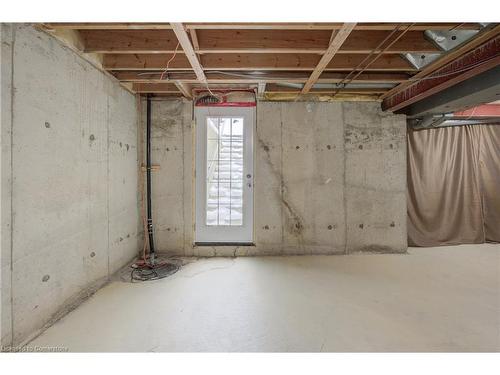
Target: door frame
(224, 235)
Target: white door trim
(224, 233)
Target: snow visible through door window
(224, 171)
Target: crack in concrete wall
(294, 221)
(316, 190)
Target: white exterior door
(224, 174)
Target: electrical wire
(168, 62)
(381, 52)
(146, 272)
(375, 58)
(378, 47)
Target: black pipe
(148, 174)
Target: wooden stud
(194, 39)
(334, 46)
(184, 88)
(261, 90)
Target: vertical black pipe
(148, 174)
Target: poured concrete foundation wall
(69, 177)
(329, 178)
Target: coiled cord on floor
(146, 272)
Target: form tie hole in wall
(297, 147)
(47, 124)
(361, 226)
(330, 227)
(92, 137)
(393, 224)
(45, 278)
(92, 254)
(266, 227)
(329, 147)
(360, 147)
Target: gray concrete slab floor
(431, 299)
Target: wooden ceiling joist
(164, 87)
(119, 41)
(253, 54)
(269, 77)
(336, 43)
(248, 41)
(274, 88)
(254, 26)
(293, 62)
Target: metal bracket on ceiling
(449, 39)
(448, 119)
(420, 60)
(426, 122)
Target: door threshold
(224, 244)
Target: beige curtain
(454, 185)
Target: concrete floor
(433, 299)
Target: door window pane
(224, 171)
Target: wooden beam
(185, 89)
(194, 39)
(328, 26)
(252, 26)
(335, 44)
(269, 77)
(182, 36)
(275, 62)
(169, 88)
(166, 88)
(261, 90)
(249, 41)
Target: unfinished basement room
(250, 187)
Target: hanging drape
(454, 185)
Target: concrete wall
(329, 178)
(69, 173)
